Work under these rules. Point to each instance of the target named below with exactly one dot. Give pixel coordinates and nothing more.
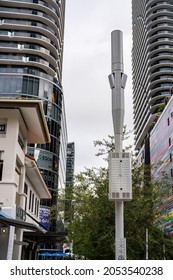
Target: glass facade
(161, 151)
(31, 55)
(152, 26)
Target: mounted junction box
(120, 182)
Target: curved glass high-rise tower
(31, 54)
(152, 60)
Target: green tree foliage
(107, 145)
(143, 213)
(93, 225)
(92, 228)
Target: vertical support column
(117, 81)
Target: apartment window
(35, 210)
(38, 205)
(168, 121)
(171, 172)
(2, 128)
(30, 199)
(169, 141)
(1, 169)
(170, 156)
(21, 141)
(26, 189)
(32, 207)
(26, 192)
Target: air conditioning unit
(120, 182)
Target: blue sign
(44, 216)
(47, 254)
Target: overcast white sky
(87, 64)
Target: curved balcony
(36, 22)
(26, 50)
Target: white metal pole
(119, 219)
(118, 121)
(120, 181)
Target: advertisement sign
(44, 216)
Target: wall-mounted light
(4, 230)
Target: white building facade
(31, 59)
(21, 184)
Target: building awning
(33, 116)
(8, 221)
(48, 254)
(34, 175)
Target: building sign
(2, 128)
(45, 159)
(20, 213)
(44, 216)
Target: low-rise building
(22, 121)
